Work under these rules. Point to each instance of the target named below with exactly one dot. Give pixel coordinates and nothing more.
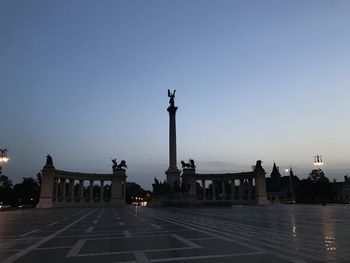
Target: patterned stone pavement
(277, 233)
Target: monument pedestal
(47, 185)
(260, 186)
(173, 178)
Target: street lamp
(3, 158)
(290, 184)
(318, 160)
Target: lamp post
(318, 162)
(290, 184)
(3, 158)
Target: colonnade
(230, 189)
(66, 189)
(242, 187)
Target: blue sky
(87, 80)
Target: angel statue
(171, 96)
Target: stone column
(81, 190)
(47, 185)
(250, 186)
(223, 190)
(71, 190)
(173, 173)
(203, 188)
(124, 189)
(101, 191)
(63, 184)
(260, 185)
(214, 192)
(241, 181)
(91, 191)
(233, 189)
(118, 187)
(56, 182)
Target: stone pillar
(214, 192)
(117, 197)
(173, 173)
(250, 186)
(81, 190)
(63, 185)
(223, 190)
(101, 191)
(56, 181)
(91, 191)
(233, 189)
(241, 181)
(71, 190)
(260, 185)
(124, 189)
(47, 186)
(203, 188)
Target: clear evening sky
(87, 80)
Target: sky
(87, 80)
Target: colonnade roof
(242, 175)
(84, 176)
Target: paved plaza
(277, 233)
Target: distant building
(281, 188)
(342, 190)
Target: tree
(316, 188)
(27, 192)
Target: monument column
(63, 185)
(91, 191)
(47, 185)
(81, 190)
(203, 188)
(71, 190)
(223, 190)
(173, 173)
(213, 189)
(260, 185)
(101, 191)
(241, 189)
(56, 183)
(232, 189)
(250, 186)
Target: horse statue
(122, 165)
(117, 166)
(189, 165)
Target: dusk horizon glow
(87, 81)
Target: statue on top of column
(117, 166)
(189, 165)
(171, 96)
(49, 161)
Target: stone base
(49, 204)
(175, 199)
(262, 200)
(45, 202)
(173, 177)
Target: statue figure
(117, 166)
(49, 160)
(171, 96)
(114, 166)
(257, 166)
(258, 163)
(122, 165)
(189, 165)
